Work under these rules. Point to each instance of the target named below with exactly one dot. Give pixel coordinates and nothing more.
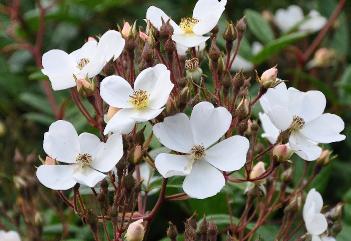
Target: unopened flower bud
(238, 81)
(323, 57)
(169, 47)
(172, 232)
(138, 154)
(135, 231)
(269, 77)
(85, 87)
(129, 182)
(242, 127)
(282, 152)
(324, 158)
(126, 30)
(241, 26)
(166, 29)
(257, 170)
(243, 109)
(287, 175)
(295, 204)
(49, 161)
(230, 33)
(214, 52)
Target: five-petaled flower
(64, 70)
(9, 236)
(189, 33)
(315, 222)
(151, 91)
(202, 160)
(299, 115)
(86, 158)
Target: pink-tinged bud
(143, 36)
(135, 231)
(49, 161)
(110, 113)
(324, 158)
(282, 152)
(323, 57)
(269, 77)
(257, 170)
(126, 30)
(91, 39)
(85, 87)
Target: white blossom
(293, 18)
(202, 158)
(84, 158)
(9, 236)
(190, 30)
(64, 69)
(315, 222)
(151, 91)
(301, 115)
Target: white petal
(270, 131)
(287, 19)
(316, 238)
(88, 176)
(241, 64)
(275, 96)
(313, 203)
(175, 133)
(116, 91)
(61, 142)
(122, 122)
(111, 44)
(157, 82)
(154, 15)
(280, 117)
(256, 47)
(313, 23)
(204, 181)
(59, 67)
(189, 40)
(208, 124)
(145, 114)
(307, 105)
(317, 224)
(306, 149)
(56, 177)
(9, 236)
(169, 165)
(89, 144)
(208, 12)
(229, 154)
(324, 129)
(324, 238)
(109, 154)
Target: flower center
(198, 152)
(297, 124)
(187, 24)
(82, 63)
(84, 160)
(140, 99)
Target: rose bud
(257, 170)
(269, 78)
(282, 153)
(135, 231)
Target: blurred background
(25, 113)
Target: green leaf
(259, 26)
(39, 118)
(37, 102)
(345, 233)
(275, 46)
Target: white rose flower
(190, 31)
(301, 113)
(9, 236)
(86, 158)
(315, 222)
(151, 90)
(293, 17)
(203, 160)
(65, 69)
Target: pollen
(198, 152)
(82, 63)
(297, 124)
(187, 24)
(84, 160)
(139, 99)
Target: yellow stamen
(187, 24)
(297, 124)
(82, 63)
(139, 99)
(198, 152)
(84, 160)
